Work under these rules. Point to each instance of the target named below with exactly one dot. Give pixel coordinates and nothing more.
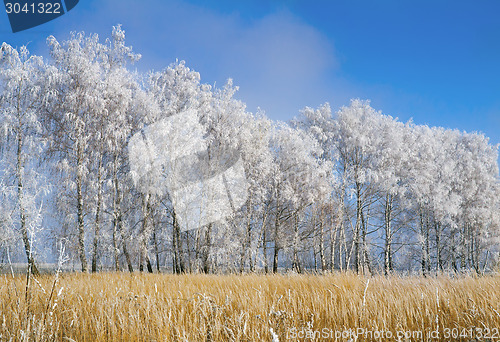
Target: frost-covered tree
(319, 124)
(23, 91)
(255, 136)
(357, 139)
(73, 121)
(298, 180)
(173, 131)
(391, 163)
(125, 105)
(477, 191)
(96, 105)
(161, 163)
(7, 234)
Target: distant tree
(320, 124)
(298, 180)
(255, 136)
(357, 137)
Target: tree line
(352, 190)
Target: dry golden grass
(153, 307)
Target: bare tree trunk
(357, 230)
(118, 222)
(249, 239)
(142, 242)
(437, 230)
(116, 215)
(428, 247)
(463, 247)
(115, 246)
(148, 264)
(351, 249)
(322, 239)
(264, 249)
(388, 235)
(197, 250)
(473, 242)
(188, 247)
(339, 229)
(366, 257)
(206, 249)
(20, 201)
(97, 222)
(315, 252)
(476, 250)
(246, 248)
(79, 205)
(157, 251)
(175, 256)
(296, 262)
(343, 248)
(263, 237)
(333, 242)
(128, 259)
(424, 232)
(177, 247)
(276, 241)
(453, 252)
(251, 265)
(242, 256)
(146, 232)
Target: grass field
(155, 307)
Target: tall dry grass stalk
(153, 307)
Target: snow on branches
(162, 164)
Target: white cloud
(283, 62)
(280, 62)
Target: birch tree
(356, 140)
(23, 83)
(298, 181)
(73, 118)
(125, 105)
(320, 124)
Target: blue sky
(434, 61)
